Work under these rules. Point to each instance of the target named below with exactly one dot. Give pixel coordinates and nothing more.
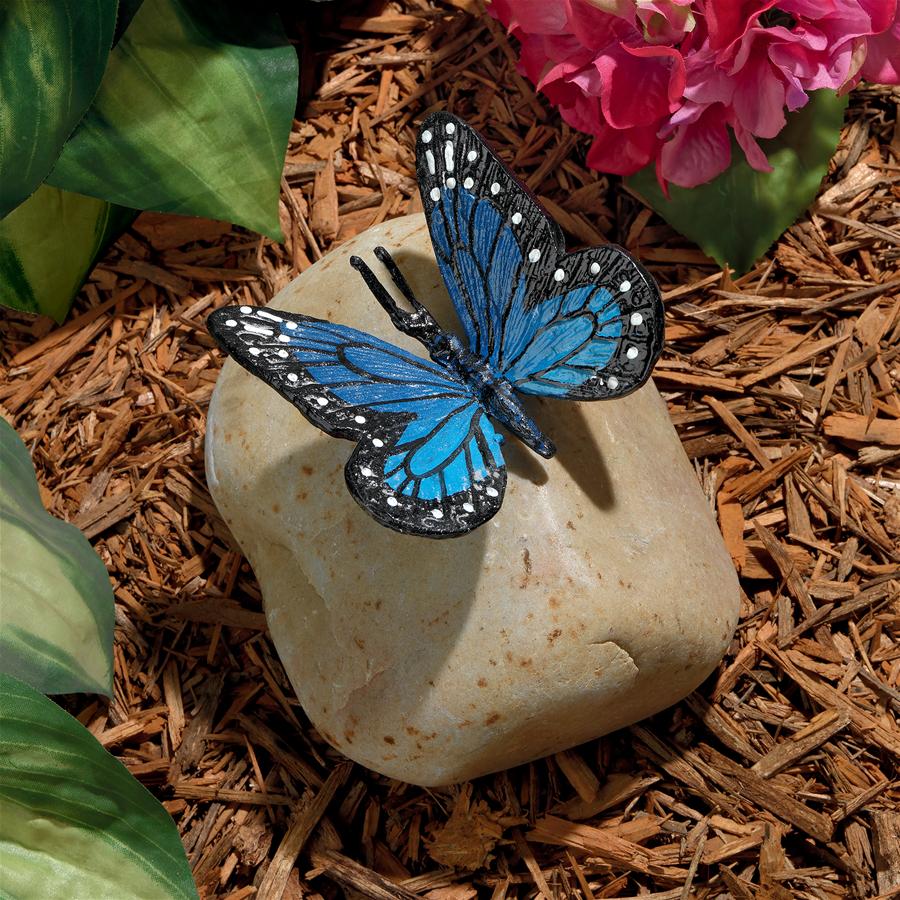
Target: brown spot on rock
(553, 602)
(554, 635)
(360, 643)
(482, 682)
(348, 735)
(389, 740)
(493, 717)
(276, 508)
(526, 562)
(307, 470)
(526, 663)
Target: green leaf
(50, 243)
(73, 821)
(193, 116)
(52, 57)
(736, 217)
(56, 603)
(127, 10)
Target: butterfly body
(535, 320)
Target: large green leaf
(736, 217)
(127, 10)
(192, 117)
(52, 57)
(49, 244)
(56, 603)
(74, 823)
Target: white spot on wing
(468, 183)
(267, 315)
(438, 513)
(632, 352)
(472, 155)
(360, 420)
(292, 376)
(322, 401)
(468, 507)
(559, 275)
(426, 137)
(492, 492)
(613, 382)
(291, 325)
(448, 156)
(516, 218)
(392, 501)
(495, 188)
(451, 182)
(246, 310)
(255, 351)
(435, 194)
(636, 318)
(534, 255)
(377, 442)
(429, 158)
(625, 286)
(595, 268)
(366, 472)
(258, 329)
(231, 322)
(449, 128)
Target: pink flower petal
(623, 152)
(530, 16)
(728, 20)
(882, 65)
(653, 69)
(698, 152)
(752, 150)
(594, 28)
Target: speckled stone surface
(599, 594)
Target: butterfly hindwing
(585, 325)
(427, 460)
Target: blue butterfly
(579, 326)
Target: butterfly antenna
(418, 324)
(397, 276)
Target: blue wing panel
(415, 422)
(584, 325)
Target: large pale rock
(600, 593)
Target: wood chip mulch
(776, 779)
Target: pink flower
(670, 81)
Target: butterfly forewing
(585, 325)
(427, 461)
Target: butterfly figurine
(537, 321)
